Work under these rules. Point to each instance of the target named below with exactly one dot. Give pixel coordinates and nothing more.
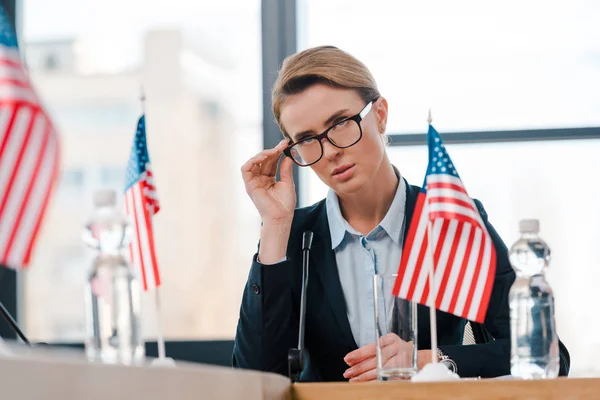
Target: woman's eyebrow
(327, 122)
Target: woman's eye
(340, 124)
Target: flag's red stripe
(410, 238)
(9, 63)
(16, 170)
(461, 218)
(476, 274)
(424, 297)
(139, 238)
(31, 184)
(44, 204)
(463, 269)
(15, 82)
(452, 200)
(441, 241)
(8, 129)
(151, 243)
(449, 264)
(419, 268)
(446, 185)
(438, 251)
(489, 283)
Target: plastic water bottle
(112, 293)
(534, 341)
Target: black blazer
(269, 314)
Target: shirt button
(256, 289)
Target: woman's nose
(329, 150)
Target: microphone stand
(296, 355)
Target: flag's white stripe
(25, 173)
(454, 208)
(12, 73)
(444, 255)
(9, 157)
(465, 287)
(35, 203)
(483, 274)
(144, 238)
(150, 193)
(447, 192)
(444, 178)
(16, 93)
(138, 235)
(429, 254)
(135, 252)
(455, 269)
(10, 53)
(414, 254)
(149, 179)
(6, 111)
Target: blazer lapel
(324, 263)
(412, 192)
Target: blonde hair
(321, 65)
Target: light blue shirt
(359, 257)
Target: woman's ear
(381, 111)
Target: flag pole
(432, 288)
(432, 295)
(160, 339)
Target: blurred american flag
(141, 203)
(29, 155)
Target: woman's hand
(274, 200)
(363, 361)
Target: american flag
(29, 155)
(141, 203)
(447, 228)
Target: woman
(333, 118)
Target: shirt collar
(392, 223)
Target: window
(201, 78)
(72, 178)
(113, 177)
(478, 65)
(485, 66)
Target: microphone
(296, 356)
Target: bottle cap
(529, 226)
(105, 198)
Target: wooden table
(48, 374)
(486, 389)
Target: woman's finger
(367, 376)
(285, 170)
(360, 368)
(269, 167)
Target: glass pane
(545, 180)
(479, 65)
(199, 63)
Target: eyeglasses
(343, 134)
